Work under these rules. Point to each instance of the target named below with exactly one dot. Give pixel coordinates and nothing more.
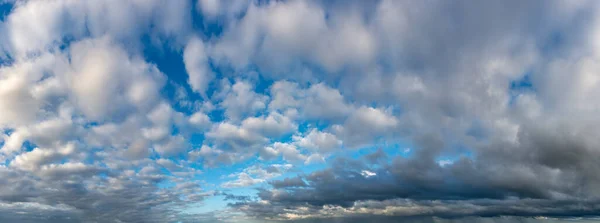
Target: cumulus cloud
(272, 126)
(319, 141)
(196, 65)
(240, 100)
(105, 81)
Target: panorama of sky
(299, 111)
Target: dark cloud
(546, 175)
(289, 183)
(82, 197)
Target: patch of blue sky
(219, 201)
(520, 86)
(170, 62)
(165, 184)
(5, 9)
(196, 140)
(215, 176)
(28, 145)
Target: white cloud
(289, 152)
(22, 94)
(445, 162)
(318, 141)
(67, 169)
(235, 137)
(209, 8)
(284, 95)
(105, 80)
(314, 158)
(200, 120)
(373, 118)
(196, 65)
(318, 101)
(256, 174)
(241, 101)
(323, 102)
(52, 22)
(35, 159)
(14, 141)
(273, 126)
(243, 180)
(367, 174)
(35, 25)
(329, 40)
(172, 146)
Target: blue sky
(299, 111)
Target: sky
(299, 111)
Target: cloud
(125, 111)
(319, 141)
(99, 85)
(273, 126)
(288, 151)
(240, 100)
(317, 102)
(365, 125)
(256, 175)
(196, 65)
(234, 137)
(330, 41)
(55, 22)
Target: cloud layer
(300, 111)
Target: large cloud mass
(299, 111)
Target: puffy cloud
(54, 22)
(319, 141)
(105, 79)
(196, 65)
(200, 120)
(272, 126)
(23, 90)
(289, 152)
(234, 137)
(243, 180)
(330, 40)
(365, 125)
(209, 8)
(317, 102)
(14, 141)
(240, 100)
(36, 158)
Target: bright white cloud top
(299, 111)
